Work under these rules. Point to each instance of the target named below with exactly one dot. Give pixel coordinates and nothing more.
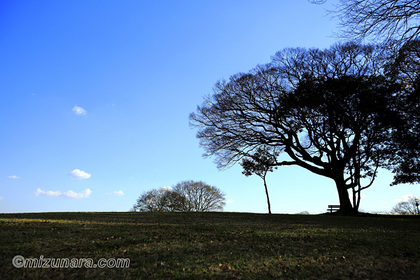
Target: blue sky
(96, 95)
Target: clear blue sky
(96, 95)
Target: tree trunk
(268, 198)
(345, 205)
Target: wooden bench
(333, 207)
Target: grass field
(213, 245)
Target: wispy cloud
(79, 110)
(13, 177)
(70, 194)
(229, 201)
(1, 198)
(116, 193)
(79, 174)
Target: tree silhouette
(332, 112)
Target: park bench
(333, 207)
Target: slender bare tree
(260, 163)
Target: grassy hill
(212, 245)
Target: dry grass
(214, 245)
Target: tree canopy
(333, 112)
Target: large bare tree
(330, 111)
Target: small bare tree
(150, 201)
(184, 196)
(409, 207)
(159, 200)
(199, 196)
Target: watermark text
(19, 261)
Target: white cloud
(47, 193)
(229, 201)
(404, 198)
(79, 110)
(70, 194)
(13, 177)
(116, 193)
(1, 198)
(84, 194)
(166, 188)
(79, 174)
